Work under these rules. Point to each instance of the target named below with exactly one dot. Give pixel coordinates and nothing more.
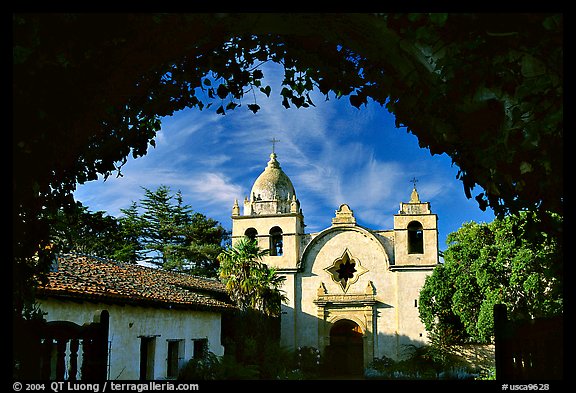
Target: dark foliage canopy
(89, 91)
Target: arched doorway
(345, 354)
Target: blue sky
(334, 153)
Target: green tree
(130, 229)
(171, 235)
(256, 290)
(203, 241)
(249, 281)
(79, 230)
(485, 264)
(162, 220)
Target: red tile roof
(94, 279)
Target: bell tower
(415, 233)
(272, 215)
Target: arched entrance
(345, 354)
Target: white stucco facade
(130, 325)
(367, 279)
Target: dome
(272, 184)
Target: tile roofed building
(95, 279)
(157, 320)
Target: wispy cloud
(333, 153)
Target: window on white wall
(175, 356)
(147, 351)
(200, 347)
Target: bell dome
(272, 192)
(272, 184)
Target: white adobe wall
(128, 323)
(396, 320)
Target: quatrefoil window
(345, 270)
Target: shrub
(276, 362)
(213, 367)
(308, 360)
(424, 362)
(271, 363)
(487, 374)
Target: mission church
(352, 291)
(352, 294)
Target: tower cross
(414, 181)
(274, 141)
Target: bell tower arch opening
(415, 238)
(276, 241)
(251, 233)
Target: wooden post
(60, 358)
(95, 362)
(73, 369)
(46, 356)
(101, 348)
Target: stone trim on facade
(359, 308)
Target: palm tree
(249, 281)
(268, 296)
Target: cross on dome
(274, 141)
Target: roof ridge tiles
(90, 277)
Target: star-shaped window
(345, 270)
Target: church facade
(352, 291)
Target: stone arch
(309, 253)
(251, 233)
(359, 311)
(344, 355)
(349, 317)
(415, 238)
(276, 244)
